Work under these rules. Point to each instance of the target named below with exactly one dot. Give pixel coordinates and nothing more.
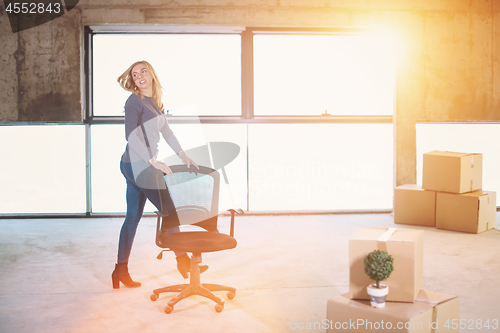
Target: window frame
(247, 87)
(247, 91)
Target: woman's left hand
(187, 161)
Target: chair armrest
(234, 211)
(162, 214)
(158, 228)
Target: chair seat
(198, 241)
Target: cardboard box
(404, 245)
(452, 172)
(473, 212)
(414, 205)
(430, 313)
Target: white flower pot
(377, 296)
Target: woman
(144, 121)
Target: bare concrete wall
(43, 64)
(459, 68)
(448, 65)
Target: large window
(43, 169)
(200, 73)
(108, 144)
(311, 111)
(314, 74)
(320, 167)
(252, 72)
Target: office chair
(195, 194)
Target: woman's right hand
(160, 166)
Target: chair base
(195, 288)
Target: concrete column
(410, 95)
(496, 60)
(8, 65)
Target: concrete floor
(55, 275)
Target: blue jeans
(136, 199)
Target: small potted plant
(378, 266)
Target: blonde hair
(126, 81)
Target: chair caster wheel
(219, 307)
(153, 297)
(230, 294)
(168, 309)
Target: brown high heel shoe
(120, 274)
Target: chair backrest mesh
(194, 194)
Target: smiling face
(143, 79)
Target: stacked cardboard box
(450, 197)
(408, 308)
(404, 245)
(430, 313)
(414, 205)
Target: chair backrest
(195, 194)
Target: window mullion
(247, 97)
